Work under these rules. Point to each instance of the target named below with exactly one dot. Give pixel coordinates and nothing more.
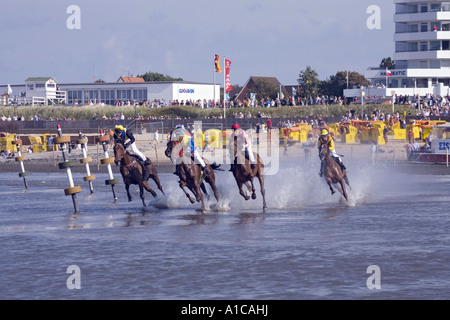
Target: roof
(38, 79)
(130, 79)
(253, 81)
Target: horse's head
(174, 151)
(119, 151)
(324, 151)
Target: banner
(228, 86)
(217, 64)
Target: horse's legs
(155, 178)
(253, 189)
(127, 187)
(141, 193)
(202, 200)
(346, 181)
(203, 187)
(182, 185)
(344, 192)
(241, 191)
(331, 187)
(263, 190)
(212, 183)
(148, 188)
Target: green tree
(387, 63)
(309, 82)
(335, 85)
(265, 89)
(155, 76)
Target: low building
(110, 93)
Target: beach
(392, 153)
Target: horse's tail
(216, 167)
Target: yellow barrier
(6, 142)
(199, 139)
(215, 138)
(36, 143)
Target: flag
(9, 90)
(388, 73)
(253, 98)
(217, 64)
(228, 86)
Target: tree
(155, 76)
(309, 82)
(265, 89)
(387, 63)
(335, 85)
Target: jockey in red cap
(245, 143)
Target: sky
(180, 38)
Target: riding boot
(322, 167)
(177, 170)
(253, 166)
(231, 168)
(342, 166)
(206, 170)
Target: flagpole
(387, 86)
(224, 85)
(214, 81)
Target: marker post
(83, 141)
(72, 190)
(104, 140)
(23, 174)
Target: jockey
(186, 140)
(126, 138)
(243, 141)
(325, 138)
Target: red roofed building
(130, 79)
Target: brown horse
(333, 173)
(133, 172)
(191, 175)
(244, 174)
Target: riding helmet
(235, 126)
(119, 128)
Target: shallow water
(307, 245)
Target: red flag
(228, 86)
(388, 73)
(217, 64)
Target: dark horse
(333, 172)
(191, 175)
(133, 172)
(244, 174)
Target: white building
(116, 92)
(422, 52)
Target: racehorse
(133, 172)
(191, 175)
(333, 173)
(244, 174)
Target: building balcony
(422, 55)
(422, 36)
(422, 17)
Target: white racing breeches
(135, 151)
